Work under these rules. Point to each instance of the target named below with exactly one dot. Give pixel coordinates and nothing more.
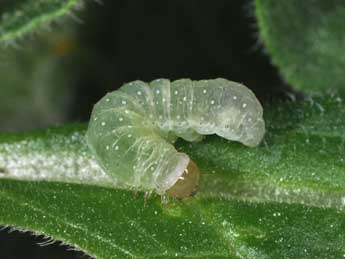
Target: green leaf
(305, 40)
(283, 199)
(23, 17)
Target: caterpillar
(132, 130)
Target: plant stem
(62, 155)
(53, 155)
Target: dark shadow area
(23, 245)
(130, 39)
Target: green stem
(31, 15)
(61, 155)
(218, 185)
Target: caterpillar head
(187, 185)
(247, 128)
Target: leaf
(305, 40)
(23, 17)
(284, 199)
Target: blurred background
(56, 75)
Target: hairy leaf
(21, 17)
(284, 199)
(305, 40)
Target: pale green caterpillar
(132, 130)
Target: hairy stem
(28, 16)
(54, 155)
(216, 185)
(62, 155)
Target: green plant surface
(283, 199)
(305, 40)
(23, 17)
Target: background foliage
(305, 40)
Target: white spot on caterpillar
(212, 102)
(120, 119)
(124, 102)
(244, 105)
(139, 93)
(103, 123)
(235, 97)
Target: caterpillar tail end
(188, 183)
